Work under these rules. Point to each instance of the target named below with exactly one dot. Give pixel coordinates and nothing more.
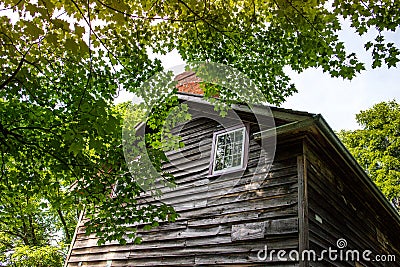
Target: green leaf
(137, 241)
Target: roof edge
(74, 238)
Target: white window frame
(244, 154)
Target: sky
(336, 99)
(339, 100)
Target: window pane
(227, 162)
(219, 164)
(221, 140)
(237, 160)
(229, 150)
(237, 149)
(220, 151)
(231, 137)
(239, 135)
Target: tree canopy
(64, 62)
(376, 146)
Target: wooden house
(314, 197)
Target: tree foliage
(377, 147)
(64, 61)
(44, 256)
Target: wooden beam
(302, 207)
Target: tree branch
(4, 84)
(64, 223)
(9, 79)
(143, 17)
(11, 7)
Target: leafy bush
(29, 256)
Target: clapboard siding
(216, 213)
(341, 206)
(306, 195)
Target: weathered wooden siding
(216, 226)
(342, 206)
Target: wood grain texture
(340, 206)
(223, 220)
(305, 196)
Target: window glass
(229, 150)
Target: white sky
(336, 99)
(339, 100)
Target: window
(229, 151)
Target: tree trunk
(60, 214)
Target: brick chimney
(188, 83)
